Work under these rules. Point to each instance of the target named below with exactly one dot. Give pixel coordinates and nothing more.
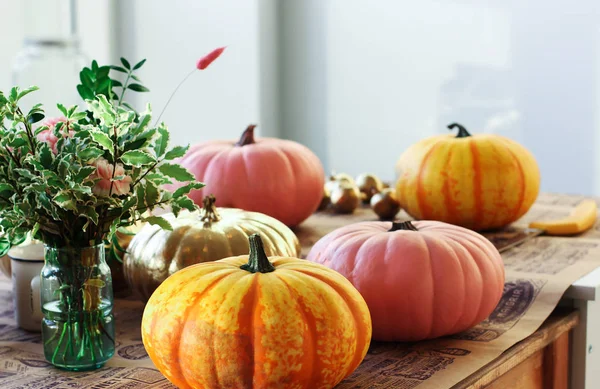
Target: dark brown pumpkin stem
(257, 260)
(247, 137)
(209, 212)
(462, 132)
(406, 226)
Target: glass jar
(50, 57)
(78, 329)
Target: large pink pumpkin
(421, 279)
(277, 177)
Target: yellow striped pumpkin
(255, 322)
(482, 182)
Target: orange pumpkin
(481, 182)
(421, 280)
(247, 322)
(277, 177)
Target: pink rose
(104, 171)
(48, 135)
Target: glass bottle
(78, 329)
(50, 57)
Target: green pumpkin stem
(405, 226)
(462, 132)
(257, 260)
(209, 212)
(247, 137)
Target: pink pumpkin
(280, 178)
(421, 279)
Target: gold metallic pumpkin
(208, 235)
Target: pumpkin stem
(406, 226)
(247, 137)
(462, 132)
(209, 213)
(257, 260)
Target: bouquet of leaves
(73, 181)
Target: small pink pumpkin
(280, 178)
(421, 280)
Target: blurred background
(357, 81)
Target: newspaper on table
(537, 274)
(22, 362)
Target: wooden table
(557, 355)
(540, 361)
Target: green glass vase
(78, 329)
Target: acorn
(343, 177)
(345, 198)
(385, 204)
(335, 179)
(326, 200)
(368, 184)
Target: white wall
(396, 71)
(361, 81)
(399, 73)
(11, 16)
(216, 103)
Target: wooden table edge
(555, 326)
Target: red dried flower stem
(201, 64)
(173, 94)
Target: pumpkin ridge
(453, 245)
(250, 180)
(470, 247)
(177, 342)
(211, 161)
(215, 370)
(423, 206)
(349, 240)
(269, 230)
(363, 246)
(283, 264)
(311, 324)
(519, 205)
(244, 152)
(501, 218)
(532, 175)
(254, 289)
(448, 196)
(494, 214)
(324, 257)
(173, 243)
(476, 185)
(361, 339)
(290, 167)
(198, 153)
(433, 317)
(132, 275)
(307, 159)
